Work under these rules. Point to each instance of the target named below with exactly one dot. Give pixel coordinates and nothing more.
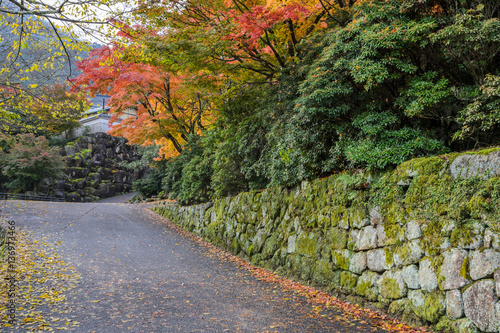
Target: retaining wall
(422, 241)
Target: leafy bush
(28, 160)
(151, 184)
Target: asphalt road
(138, 274)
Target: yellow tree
(39, 42)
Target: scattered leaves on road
(42, 282)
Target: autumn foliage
(168, 109)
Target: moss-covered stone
(307, 244)
(368, 286)
(435, 306)
(337, 238)
(463, 325)
(270, 247)
(348, 281)
(392, 285)
(468, 235)
(342, 259)
(322, 273)
(358, 216)
(339, 216)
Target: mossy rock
(339, 215)
(235, 244)
(463, 325)
(348, 281)
(367, 285)
(323, 273)
(342, 259)
(421, 166)
(307, 244)
(435, 306)
(214, 231)
(270, 247)
(337, 238)
(358, 216)
(392, 285)
(468, 235)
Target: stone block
(453, 269)
(413, 230)
(479, 305)
(348, 281)
(367, 238)
(353, 239)
(427, 275)
(342, 259)
(377, 260)
(484, 263)
(375, 216)
(417, 301)
(467, 166)
(434, 306)
(358, 262)
(469, 236)
(389, 234)
(337, 238)
(307, 244)
(392, 285)
(408, 254)
(454, 304)
(368, 285)
(491, 239)
(410, 276)
(358, 217)
(292, 242)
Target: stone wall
(94, 169)
(420, 241)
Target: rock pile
(94, 169)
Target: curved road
(140, 275)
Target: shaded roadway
(140, 275)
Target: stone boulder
(408, 254)
(392, 285)
(410, 276)
(454, 304)
(467, 166)
(377, 260)
(484, 263)
(427, 275)
(417, 301)
(480, 305)
(453, 269)
(368, 285)
(358, 263)
(434, 306)
(413, 230)
(367, 238)
(342, 259)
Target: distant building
(96, 119)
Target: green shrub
(28, 161)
